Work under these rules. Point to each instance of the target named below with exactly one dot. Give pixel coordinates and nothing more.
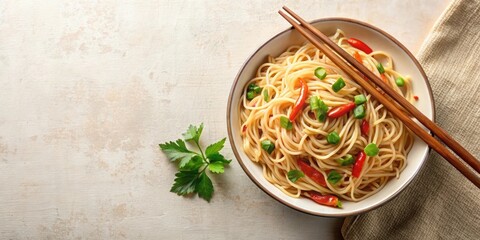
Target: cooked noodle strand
(307, 139)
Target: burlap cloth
(440, 203)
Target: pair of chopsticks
(357, 71)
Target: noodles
(270, 99)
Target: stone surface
(89, 89)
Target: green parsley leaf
(268, 146)
(216, 167)
(294, 175)
(285, 123)
(215, 148)
(193, 133)
(217, 163)
(217, 157)
(177, 151)
(204, 187)
(185, 182)
(192, 175)
(334, 177)
(194, 164)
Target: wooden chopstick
(321, 41)
(439, 132)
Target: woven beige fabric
(440, 203)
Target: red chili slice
(365, 127)
(328, 200)
(358, 165)
(312, 173)
(339, 111)
(300, 103)
(359, 45)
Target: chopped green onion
(347, 160)
(250, 95)
(338, 85)
(268, 146)
(314, 103)
(380, 68)
(322, 116)
(294, 175)
(333, 177)
(359, 99)
(371, 150)
(285, 123)
(359, 112)
(320, 73)
(400, 81)
(318, 107)
(253, 90)
(265, 95)
(322, 111)
(333, 138)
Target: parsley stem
(201, 151)
(203, 170)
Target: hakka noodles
(317, 133)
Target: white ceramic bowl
(404, 62)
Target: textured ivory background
(89, 89)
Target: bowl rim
(279, 199)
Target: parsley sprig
(192, 176)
